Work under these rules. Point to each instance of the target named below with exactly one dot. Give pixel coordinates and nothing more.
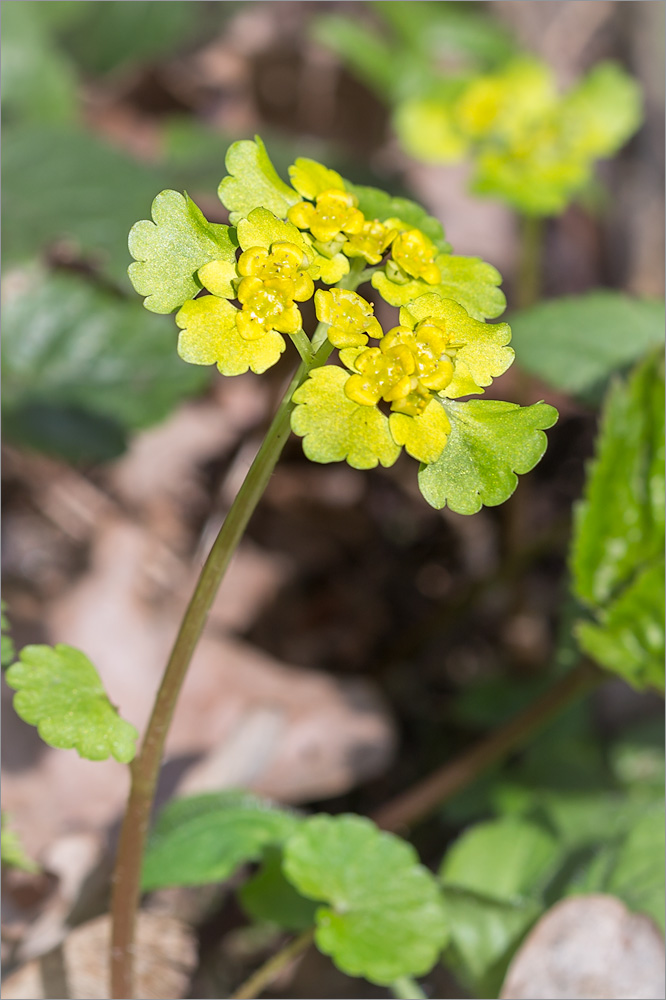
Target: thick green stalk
(530, 264)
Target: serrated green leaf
(384, 917)
(170, 250)
(7, 653)
(334, 428)
(490, 443)
(12, 853)
(629, 636)
(205, 838)
(575, 343)
(469, 281)
(253, 182)
(619, 525)
(59, 691)
(209, 336)
(482, 354)
(638, 874)
(268, 897)
(503, 859)
(377, 204)
(70, 347)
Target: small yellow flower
(371, 243)
(416, 254)
(267, 305)
(405, 370)
(351, 318)
(335, 213)
(284, 261)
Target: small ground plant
(362, 394)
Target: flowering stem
(145, 768)
(531, 258)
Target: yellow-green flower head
(404, 370)
(284, 260)
(350, 316)
(333, 214)
(371, 242)
(415, 255)
(267, 305)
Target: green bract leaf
(59, 691)
(384, 917)
(209, 336)
(334, 428)
(483, 354)
(205, 838)
(69, 348)
(261, 229)
(311, 178)
(253, 182)
(629, 639)
(619, 526)
(467, 280)
(502, 859)
(12, 853)
(490, 442)
(377, 204)
(269, 897)
(575, 343)
(423, 436)
(171, 249)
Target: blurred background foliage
(106, 104)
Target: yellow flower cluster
(405, 369)
(271, 284)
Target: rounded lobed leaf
(253, 182)
(384, 917)
(469, 281)
(209, 336)
(490, 442)
(170, 250)
(59, 691)
(334, 428)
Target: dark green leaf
(59, 691)
(575, 343)
(207, 837)
(7, 652)
(70, 349)
(490, 442)
(620, 523)
(629, 638)
(270, 898)
(638, 874)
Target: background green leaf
(205, 838)
(576, 342)
(7, 653)
(59, 691)
(268, 896)
(12, 853)
(73, 353)
(490, 442)
(384, 917)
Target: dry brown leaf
(78, 970)
(585, 948)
